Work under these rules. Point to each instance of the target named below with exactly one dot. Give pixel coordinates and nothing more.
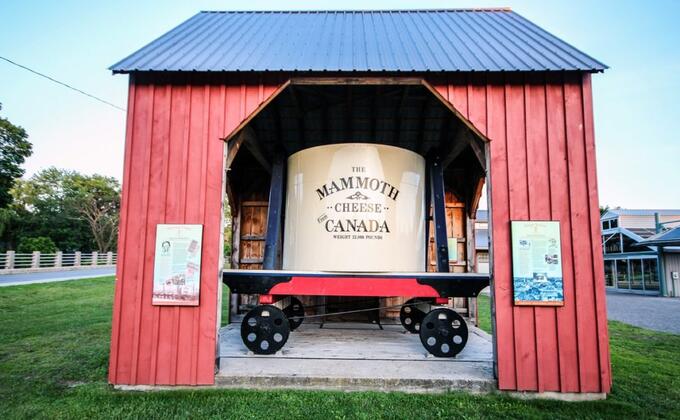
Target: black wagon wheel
(412, 313)
(443, 332)
(265, 329)
(295, 312)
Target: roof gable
(470, 40)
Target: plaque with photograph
(537, 263)
(177, 265)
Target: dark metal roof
(667, 238)
(470, 40)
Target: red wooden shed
(522, 97)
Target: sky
(637, 111)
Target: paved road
(654, 313)
(48, 277)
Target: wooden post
(235, 239)
(76, 259)
(439, 213)
(9, 262)
(35, 261)
(109, 258)
(58, 258)
(95, 256)
(272, 244)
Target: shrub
(40, 243)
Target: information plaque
(177, 265)
(537, 263)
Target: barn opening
(307, 113)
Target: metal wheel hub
(295, 312)
(443, 332)
(265, 329)
(413, 312)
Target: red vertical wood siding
(542, 167)
(173, 174)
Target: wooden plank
(252, 260)
(187, 326)
(158, 172)
(538, 171)
(212, 262)
(596, 238)
(580, 224)
(500, 230)
(559, 192)
(524, 328)
(252, 237)
(142, 128)
(251, 203)
(175, 187)
(115, 373)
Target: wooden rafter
(455, 147)
(251, 143)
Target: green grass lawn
(54, 349)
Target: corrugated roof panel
(382, 41)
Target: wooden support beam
(272, 244)
(476, 196)
(356, 81)
(233, 146)
(253, 146)
(436, 172)
(231, 197)
(477, 147)
(455, 147)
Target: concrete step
(349, 356)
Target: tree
(14, 149)
(78, 212)
(97, 198)
(41, 243)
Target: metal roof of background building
(470, 40)
(669, 237)
(640, 212)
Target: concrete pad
(351, 356)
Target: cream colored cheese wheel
(355, 207)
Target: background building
(482, 241)
(628, 264)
